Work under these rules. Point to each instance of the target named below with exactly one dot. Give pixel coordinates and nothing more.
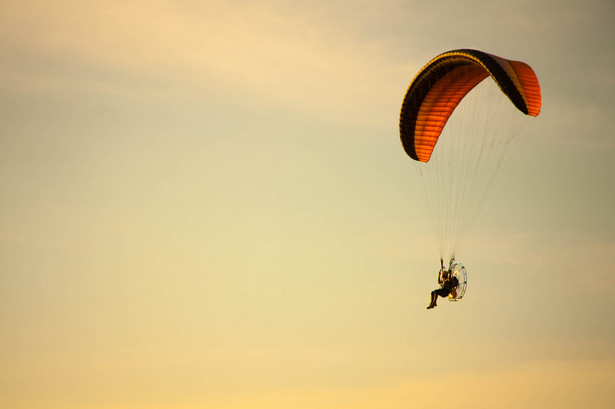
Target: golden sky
(205, 204)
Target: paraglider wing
(438, 88)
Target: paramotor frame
(458, 271)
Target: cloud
(159, 48)
(533, 385)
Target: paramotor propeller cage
(458, 271)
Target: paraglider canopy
(438, 88)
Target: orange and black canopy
(438, 88)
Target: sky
(205, 204)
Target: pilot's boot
(432, 304)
